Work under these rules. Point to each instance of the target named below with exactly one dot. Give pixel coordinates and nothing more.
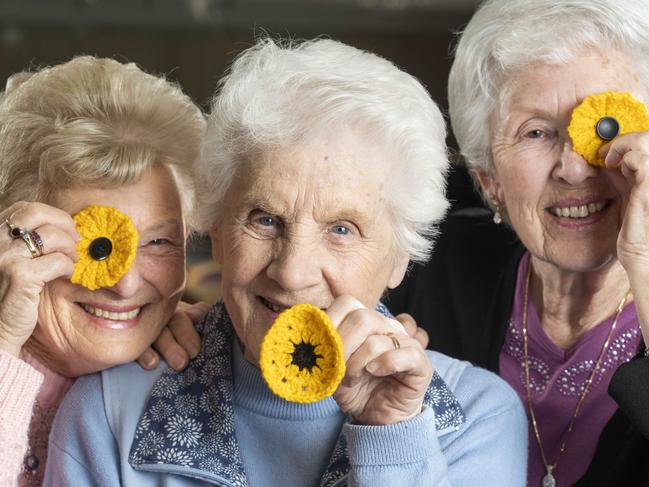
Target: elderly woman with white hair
(105, 140)
(324, 167)
(561, 304)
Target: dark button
(100, 248)
(607, 128)
(31, 462)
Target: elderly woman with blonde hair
(99, 138)
(549, 286)
(325, 167)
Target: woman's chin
(584, 260)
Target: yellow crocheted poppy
(600, 118)
(301, 356)
(106, 249)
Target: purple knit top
(557, 377)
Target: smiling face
(84, 331)
(565, 211)
(305, 226)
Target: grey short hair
(95, 122)
(278, 93)
(504, 36)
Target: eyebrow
(262, 204)
(346, 213)
(164, 225)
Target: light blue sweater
(190, 433)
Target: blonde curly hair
(94, 122)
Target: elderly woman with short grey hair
(559, 306)
(324, 167)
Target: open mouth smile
(110, 315)
(276, 308)
(578, 211)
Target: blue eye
(266, 221)
(339, 230)
(159, 241)
(264, 224)
(535, 134)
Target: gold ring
(395, 341)
(38, 242)
(33, 249)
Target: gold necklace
(548, 479)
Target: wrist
(375, 420)
(10, 347)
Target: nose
(572, 168)
(295, 266)
(130, 283)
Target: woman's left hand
(178, 341)
(630, 152)
(388, 372)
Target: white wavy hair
(277, 93)
(505, 36)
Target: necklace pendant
(548, 480)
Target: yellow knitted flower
(600, 118)
(106, 249)
(301, 356)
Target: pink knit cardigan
(30, 393)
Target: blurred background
(193, 41)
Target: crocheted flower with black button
(602, 117)
(301, 356)
(106, 249)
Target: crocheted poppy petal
(106, 249)
(630, 113)
(301, 357)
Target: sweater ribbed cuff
(404, 442)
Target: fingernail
(177, 361)
(194, 350)
(372, 367)
(149, 359)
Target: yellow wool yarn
(630, 113)
(301, 357)
(102, 222)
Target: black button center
(100, 248)
(607, 128)
(304, 356)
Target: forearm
(19, 386)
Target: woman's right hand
(22, 277)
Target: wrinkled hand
(178, 342)
(630, 153)
(22, 277)
(409, 323)
(382, 384)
